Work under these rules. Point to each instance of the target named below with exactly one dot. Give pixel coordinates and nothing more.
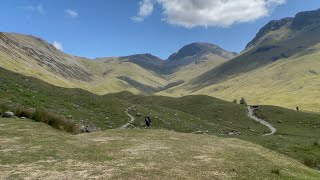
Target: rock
(23, 118)
(88, 128)
(8, 114)
(139, 114)
(279, 122)
(69, 117)
(231, 133)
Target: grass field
(187, 115)
(31, 150)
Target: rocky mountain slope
(141, 73)
(278, 67)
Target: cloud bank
(206, 13)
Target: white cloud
(35, 8)
(72, 13)
(145, 9)
(58, 45)
(222, 13)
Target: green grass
(188, 114)
(195, 113)
(37, 151)
(297, 136)
(106, 112)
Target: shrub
(311, 162)
(3, 108)
(235, 101)
(275, 171)
(243, 101)
(40, 116)
(58, 122)
(316, 143)
(23, 112)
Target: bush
(243, 101)
(311, 162)
(3, 108)
(235, 101)
(316, 143)
(23, 112)
(275, 171)
(56, 121)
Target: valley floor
(31, 150)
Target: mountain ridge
(33, 56)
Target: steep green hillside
(287, 82)
(108, 111)
(36, 151)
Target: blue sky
(103, 28)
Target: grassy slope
(298, 134)
(187, 114)
(34, 57)
(287, 82)
(195, 113)
(108, 111)
(36, 151)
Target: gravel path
(263, 122)
(132, 119)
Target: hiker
(297, 108)
(148, 121)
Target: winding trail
(261, 121)
(132, 119)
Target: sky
(111, 28)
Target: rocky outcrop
(273, 25)
(306, 18)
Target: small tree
(243, 101)
(235, 101)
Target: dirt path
(261, 121)
(132, 119)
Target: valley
(215, 114)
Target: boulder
(199, 132)
(89, 128)
(8, 114)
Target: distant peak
(146, 56)
(198, 48)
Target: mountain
(281, 39)
(193, 51)
(140, 73)
(278, 67)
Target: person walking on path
(148, 121)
